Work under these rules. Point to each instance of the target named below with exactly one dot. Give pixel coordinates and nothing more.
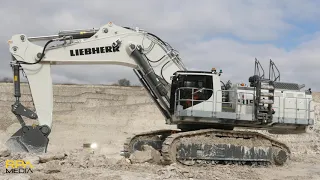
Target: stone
(148, 154)
(20, 177)
(4, 151)
(52, 167)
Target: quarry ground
(108, 115)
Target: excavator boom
(152, 59)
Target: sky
(225, 34)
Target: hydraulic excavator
(204, 109)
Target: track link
(152, 138)
(210, 147)
(183, 148)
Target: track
(152, 138)
(211, 146)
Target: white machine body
(183, 97)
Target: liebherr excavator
(204, 109)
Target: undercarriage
(210, 147)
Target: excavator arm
(153, 61)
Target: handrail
(309, 107)
(192, 100)
(237, 109)
(214, 103)
(278, 105)
(236, 103)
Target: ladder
(264, 93)
(264, 101)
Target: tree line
(6, 79)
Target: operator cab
(190, 88)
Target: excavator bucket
(28, 139)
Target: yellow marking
(17, 163)
(83, 32)
(10, 163)
(20, 163)
(15, 78)
(34, 126)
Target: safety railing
(236, 103)
(178, 98)
(229, 102)
(281, 110)
(237, 106)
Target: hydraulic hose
(41, 57)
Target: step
(266, 101)
(263, 111)
(267, 86)
(263, 116)
(267, 94)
